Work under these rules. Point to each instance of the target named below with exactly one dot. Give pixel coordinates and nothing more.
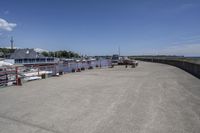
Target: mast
(11, 42)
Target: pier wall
(192, 68)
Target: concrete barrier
(192, 68)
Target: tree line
(4, 52)
(61, 54)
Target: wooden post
(16, 71)
(38, 70)
(55, 69)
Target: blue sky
(99, 27)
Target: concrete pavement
(152, 98)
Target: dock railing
(16, 75)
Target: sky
(100, 27)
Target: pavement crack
(29, 124)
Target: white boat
(32, 78)
(3, 63)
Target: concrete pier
(152, 98)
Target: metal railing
(8, 76)
(16, 75)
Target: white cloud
(4, 25)
(182, 8)
(187, 6)
(189, 40)
(6, 12)
(39, 50)
(185, 49)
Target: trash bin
(60, 73)
(73, 70)
(90, 67)
(43, 76)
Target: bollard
(19, 82)
(78, 70)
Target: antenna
(11, 42)
(119, 50)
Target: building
(29, 57)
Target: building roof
(25, 53)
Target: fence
(14, 75)
(8, 76)
(192, 68)
(77, 66)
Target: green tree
(61, 54)
(46, 54)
